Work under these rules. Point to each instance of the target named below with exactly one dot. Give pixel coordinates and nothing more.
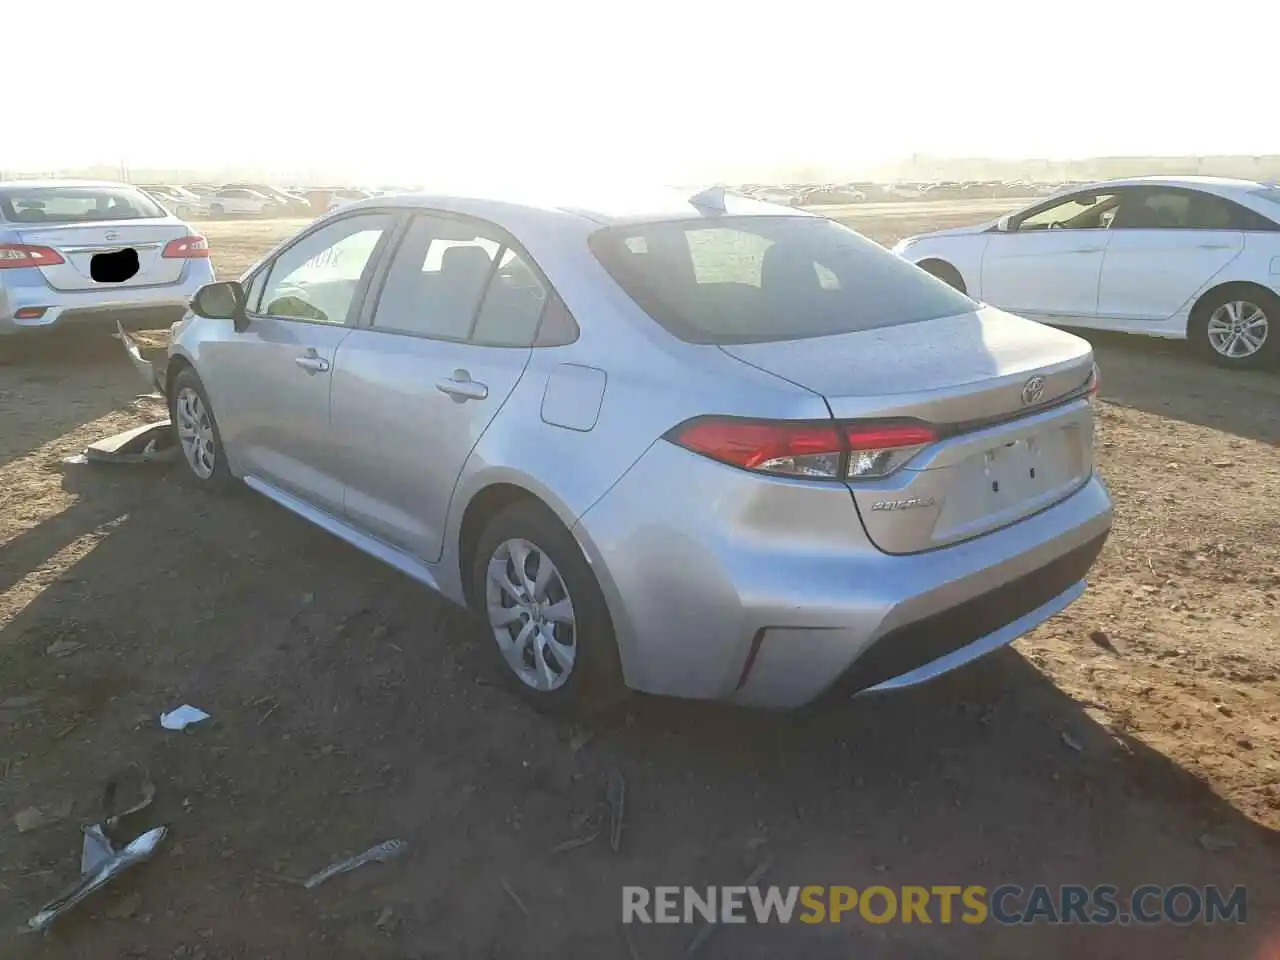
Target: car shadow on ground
(350, 706)
(1164, 378)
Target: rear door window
(757, 279)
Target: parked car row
(251, 199)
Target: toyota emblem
(112, 235)
(1033, 391)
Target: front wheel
(548, 624)
(1238, 328)
(197, 432)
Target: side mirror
(1002, 225)
(223, 300)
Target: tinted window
(71, 204)
(317, 278)
(512, 305)
(437, 279)
(1162, 209)
(743, 279)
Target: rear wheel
(1237, 327)
(944, 272)
(548, 625)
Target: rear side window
(757, 279)
(76, 204)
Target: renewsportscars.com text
(944, 904)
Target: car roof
(604, 207)
(1223, 186)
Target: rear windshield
(74, 204)
(757, 279)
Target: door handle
(1215, 246)
(312, 363)
(462, 388)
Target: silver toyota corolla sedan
(700, 446)
(74, 251)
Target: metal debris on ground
(512, 894)
(183, 717)
(105, 863)
(699, 941)
(1072, 742)
(616, 795)
(381, 853)
(573, 844)
(63, 648)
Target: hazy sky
(656, 89)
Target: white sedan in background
(1194, 258)
(243, 201)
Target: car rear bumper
(715, 595)
(58, 309)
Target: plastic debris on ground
(381, 853)
(183, 717)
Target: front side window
(317, 278)
(76, 204)
(1078, 212)
(753, 279)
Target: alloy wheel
(1238, 329)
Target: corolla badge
(1033, 390)
(911, 503)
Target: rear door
(1048, 263)
(82, 222)
(1166, 244)
(270, 384)
(414, 389)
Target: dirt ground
(1133, 739)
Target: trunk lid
(994, 386)
(79, 243)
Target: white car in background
(242, 201)
(1194, 258)
(179, 200)
(342, 198)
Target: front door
(1166, 244)
(1048, 263)
(416, 387)
(273, 403)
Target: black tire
(220, 479)
(944, 272)
(1266, 356)
(594, 683)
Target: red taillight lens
(816, 450)
(186, 248)
(13, 255)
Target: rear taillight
(823, 450)
(13, 255)
(186, 248)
